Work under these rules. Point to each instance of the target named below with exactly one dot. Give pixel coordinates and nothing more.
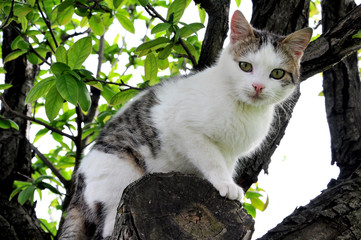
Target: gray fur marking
(126, 132)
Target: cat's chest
(241, 130)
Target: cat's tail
(74, 226)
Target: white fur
(206, 122)
(106, 176)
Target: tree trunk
(177, 206)
(16, 221)
(336, 213)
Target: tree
(45, 44)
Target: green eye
(277, 73)
(245, 66)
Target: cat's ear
(298, 41)
(240, 28)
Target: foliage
(64, 38)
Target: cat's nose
(258, 87)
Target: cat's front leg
(205, 155)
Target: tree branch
(8, 109)
(216, 32)
(53, 169)
(149, 8)
(11, 13)
(48, 25)
(332, 46)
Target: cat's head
(263, 68)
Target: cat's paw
(230, 190)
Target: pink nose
(258, 87)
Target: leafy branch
(53, 169)
(11, 13)
(33, 119)
(152, 12)
(47, 22)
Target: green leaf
(160, 27)
(163, 63)
(40, 133)
(143, 2)
(22, 11)
(151, 68)
(40, 89)
(14, 124)
(250, 209)
(34, 59)
(179, 48)
(68, 88)
(14, 55)
(125, 22)
(177, 9)
(152, 43)
(357, 35)
(117, 3)
(16, 191)
(190, 29)
(96, 25)
(258, 204)
(238, 2)
(61, 55)
(5, 86)
(59, 68)
(43, 185)
(253, 194)
(79, 52)
(31, 2)
(165, 52)
(123, 97)
(202, 14)
(65, 12)
(84, 97)
(53, 103)
(26, 194)
(4, 123)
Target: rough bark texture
(342, 92)
(216, 32)
(177, 206)
(336, 213)
(16, 221)
(333, 215)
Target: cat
(198, 124)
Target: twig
(48, 25)
(9, 16)
(121, 84)
(33, 119)
(53, 169)
(149, 8)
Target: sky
(300, 168)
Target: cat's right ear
(240, 28)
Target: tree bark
(16, 221)
(216, 32)
(342, 90)
(177, 206)
(336, 213)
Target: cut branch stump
(177, 206)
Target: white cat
(199, 124)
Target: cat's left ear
(240, 28)
(298, 41)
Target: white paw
(230, 190)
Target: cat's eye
(245, 66)
(277, 73)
